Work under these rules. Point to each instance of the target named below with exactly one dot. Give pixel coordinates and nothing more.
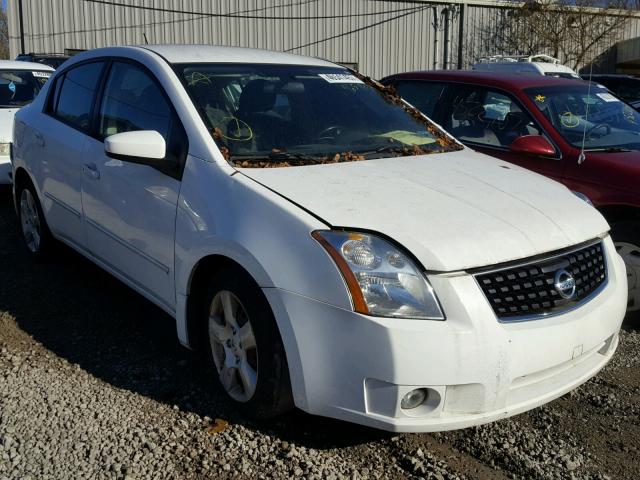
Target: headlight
(4, 149)
(382, 279)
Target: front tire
(245, 345)
(35, 232)
(626, 238)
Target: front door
(488, 120)
(130, 209)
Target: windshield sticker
(41, 74)
(628, 114)
(339, 78)
(240, 131)
(540, 98)
(569, 120)
(607, 97)
(12, 87)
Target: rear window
(20, 87)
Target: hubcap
(630, 253)
(233, 345)
(30, 220)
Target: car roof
(506, 81)
(17, 65)
(223, 54)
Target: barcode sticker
(607, 97)
(339, 78)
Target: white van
(532, 64)
(20, 83)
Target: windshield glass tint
(298, 114)
(20, 87)
(605, 121)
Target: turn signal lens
(381, 279)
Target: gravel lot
(93, 384)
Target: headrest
(257, 96)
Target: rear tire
(626, 238)
(33, 226)
(245, 346)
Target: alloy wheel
(630, 253)
(233, 345)
(30, 220)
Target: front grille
(528, 289)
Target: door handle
(39, 139)
(90, 170)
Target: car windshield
(283, 115)
(606, 122)
(20, 87)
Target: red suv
(543, 124)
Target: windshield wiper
(277, 157)
(385, 149)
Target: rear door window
(74, 95)
(421, 94)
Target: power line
(255, 17)
(351, 32)
(154, 24)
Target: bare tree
(4, 35)
(574, 32)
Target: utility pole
(436, 27)
(21, 26)
(461, 35)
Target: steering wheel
(330, 133)
(606, 126)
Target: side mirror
(532, 145)
(146, 147)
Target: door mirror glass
(532, 145)
(141, 146)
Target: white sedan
(20, 83)
(332, 248)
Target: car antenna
(146, 42)
(581, 157)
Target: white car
(526, 64)
(380, 272)
(20, 83)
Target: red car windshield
(603, 120)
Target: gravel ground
(93, 384)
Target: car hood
(453, 211)
(6, 124)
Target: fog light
(414, 398)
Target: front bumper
(5, 170)
(358, 368)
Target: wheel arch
(22, 177)
(618, 212)
(200, 275)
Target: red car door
(489, 120)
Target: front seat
(255, 110)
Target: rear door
(62, 140)
(130, 208)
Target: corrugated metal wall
(382, 37)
